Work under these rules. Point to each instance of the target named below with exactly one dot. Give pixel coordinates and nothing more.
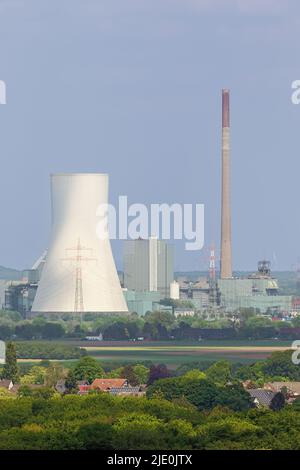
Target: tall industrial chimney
(226, 264)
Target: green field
(176, 353)
(173, 354)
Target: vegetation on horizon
(155, 326)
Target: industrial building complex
(77, 274)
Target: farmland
(174, 353)
(177, 353)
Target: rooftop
(262, 396)
(107, 384)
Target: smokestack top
(225, 108)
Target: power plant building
(259, 291)
(148, 266)
(142, 302)
(198, 292)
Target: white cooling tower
(79, 274)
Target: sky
(132, 88)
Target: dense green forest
(103, 421)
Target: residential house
(83, 388)
(105, 385)
(60, 386)
(112, 386)
(291, 390)
(261, 397)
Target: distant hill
(10, 274)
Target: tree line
(155, 326)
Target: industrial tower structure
(226, 262)
(70, 282)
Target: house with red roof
(105, 385)
(102, 385)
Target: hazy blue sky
(132, 88)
